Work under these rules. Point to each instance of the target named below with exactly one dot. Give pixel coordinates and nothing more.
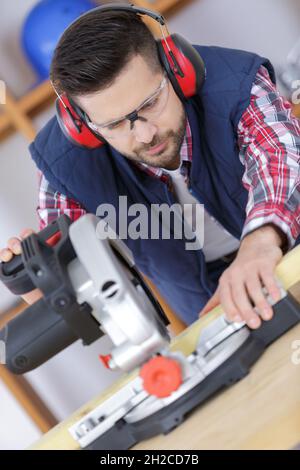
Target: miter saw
(91, 287)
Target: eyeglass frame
(133, 116)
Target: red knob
(105, 360)
(161, 376)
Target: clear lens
(149, 111)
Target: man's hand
(240, 286)
(14, 248)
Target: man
(237, 153)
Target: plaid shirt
(269, 149)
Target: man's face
(155, 141)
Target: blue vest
(93, 177)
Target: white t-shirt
(218, 242)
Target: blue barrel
(43, 27)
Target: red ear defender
(73, 125)
(183, 64)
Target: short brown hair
(93, 51)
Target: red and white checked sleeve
(53, 204)
(269, 143)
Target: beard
(169, 156)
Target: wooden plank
(23, 392)
(36, 96)
(34, 101)
(19, 387)
(296, 110)
(163, 6)
(18, 118)
(11, 313)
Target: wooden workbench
(260, 412)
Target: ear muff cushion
(185, 67)
(81, 136)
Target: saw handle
(13, 274)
